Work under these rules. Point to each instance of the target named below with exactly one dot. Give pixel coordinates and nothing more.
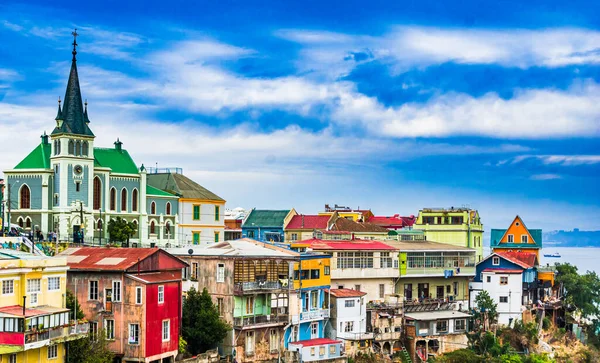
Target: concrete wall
(370, 286)
(512, 291)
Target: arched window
(77, 148)
(27, 222)
(25, 197)
(99, 225)
(124, 200)
(20, 222)
(97, 193)
(58, 146)
(71, 147)
(55, 199)
(55, 147)
(152, 228)
(84, 148)
(168, 212)
(168, 228)
(153, 208)
(113, 199)
(134, 200)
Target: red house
(133, 295)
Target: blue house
(510, 260)
(266, 225)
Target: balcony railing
(440, 271)
(241, 322)
(63, 332)
(257, 285)
(34, 337)
(314, 315)
(355, 336)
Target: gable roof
(509, 258)
(497, 236)
(38, 158)
(346, 245)
(181, 185)
(394, 221)
(303, 221)
(119, 161)
(115, 259)
(343, 293)
(150, 190)
(348, 225)
(526, 258)
(266, 218)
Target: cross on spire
(75, 34)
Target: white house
(348, 318)
(505, 286)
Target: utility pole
(8, 191)
(101, 226)
(81, 225)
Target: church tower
(72, 158)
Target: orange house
(517, 238)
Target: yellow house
(34, 322)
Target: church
(68, 186)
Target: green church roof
(266, 218)
(39, 158)
(119, 161)
(150, 190)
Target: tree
(485, 308)
(202, 327)
(120, 230)
(91, 349)
(582, 291)
(71, 302)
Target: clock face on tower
(78, 169)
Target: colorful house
(304, 226)
(393, 223)
(349, 320)
(454, 226)
(356, 215)
(267, 225)
(517, 237)
(34, 323)
(134, 295)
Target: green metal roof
(39, 158)
(266, 218)
(118, 161)
(496, 236)
(181, 185)
(150, 190)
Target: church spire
(72, 111)
(59, 113)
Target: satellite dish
(190, 252)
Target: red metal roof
(316, 341)
(118, 259)
(394, 221)
(348, 245)
(523, 259)
(303, 221)
(345, 292)
(157, 277)
(17, 310)
(503, 270)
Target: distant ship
(555, 254)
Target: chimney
(44, 139)
(118, 145)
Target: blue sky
(392, 106)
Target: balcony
(358, 273)
(37, 339)
(355, 336)
(314, 315)
(258, 320)
(244, 287)
(439, 271)
(391, 335)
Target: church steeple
(59, 113)
(73, 116)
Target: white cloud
(563, 160)
(12, 26)
(545, 177)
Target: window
(168, 230)
(314, 330)
(138, 295)
(495, 261)
(357, 287)
(93, 330)
(274, 340)
(56, 199)
(448, 289)
(503, 299)
(33, 285)
(250, 305)
(194, 270)
(408, 291)
(381, 291)
(109, 328)
(217, 213)
(84, 148)
(441, 326)
(314, 300)
(134, 333)
(93, 290)
(459, 324)
(349, 327)
(25, 197)
(294, 236)
(489, 278)
(116, 291)
(385, 261)
(8, 287)
(220, 305)
(77, 148)
(524, 238)
(166, 330)
(161, 294)
(349, 303)
(152, 227)
(314, 273)
(77, 186)
(53, 283)
(97, 193)
(355, 260)
(250, 234)
(326, 270)
(124, 200)
(168, 209)
(312, 351)
(113, 199)
(216, 237)
(249, 342)
(12, 358)
(510, 238)
(220, 272)
(52, 351)
(134, 200)
(321, 351)
(28, 223)
(503, 280)
(196, 237)
(153, 208)
(196, 215)
(71, 147)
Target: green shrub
(546, 323)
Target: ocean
(585, 258)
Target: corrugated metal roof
(347, 245)
(342, 293)
(180, 184)
(302, 221)
(105, 258)
(266, 218)
(244, 247)
(437, 314)
(156, 277)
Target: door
(423, 291)
(440, 292)
(108, 299)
